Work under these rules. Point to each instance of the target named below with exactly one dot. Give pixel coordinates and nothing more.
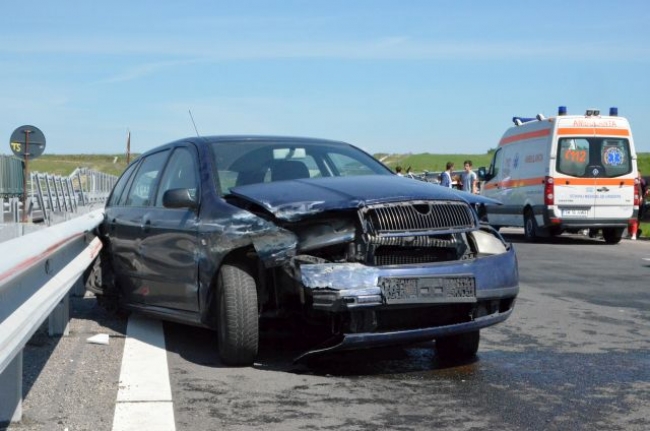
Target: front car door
(169, 249)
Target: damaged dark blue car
(237, 232)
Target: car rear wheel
(458, 347)
(612, 235)
(238, 322)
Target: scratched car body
(241, 233)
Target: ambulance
(564, 174)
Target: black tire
(530, 226)
(458, 347)
(613, 235)
(237, 319)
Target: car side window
(181, 173)
(121, 185)
(144, 183)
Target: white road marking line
(144, 397)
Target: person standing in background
(643, 194)
(468, 178)
(445, 177)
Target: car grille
(418, 216)
(416, 232)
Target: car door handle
(602, 189)
(146, 224)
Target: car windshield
(249, 162)
(594, 157)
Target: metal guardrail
(92, 186)
(37, 272)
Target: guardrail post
(78, 289)
(11, 395)
(58, 322)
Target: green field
(116, 163)
(437, 162)
(65, 164)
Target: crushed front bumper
(382, 339)
(345, 287)
(338, 287)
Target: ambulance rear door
(615, 187)
(592, 179)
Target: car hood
(296, 199)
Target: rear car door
(127, 231)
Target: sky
(390, 76)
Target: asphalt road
(575, 355)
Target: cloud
(398, 47)
(144, 70)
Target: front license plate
(428, 289)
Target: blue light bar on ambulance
(613, 111)
(561, 110)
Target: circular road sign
(27, 142)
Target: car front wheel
(458, 347)
(238, 323)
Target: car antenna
(195, 129)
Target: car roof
(260, 138)
(215, 139)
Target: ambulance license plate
(575, 212)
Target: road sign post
(26, 142)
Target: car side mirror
(482, 174)
(179, 198)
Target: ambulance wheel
(530, 226)
(612, 235)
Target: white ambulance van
(564, 173)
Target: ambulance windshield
(591, 157)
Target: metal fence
(11, 177)
(49, 196)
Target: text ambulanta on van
(564, 173)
